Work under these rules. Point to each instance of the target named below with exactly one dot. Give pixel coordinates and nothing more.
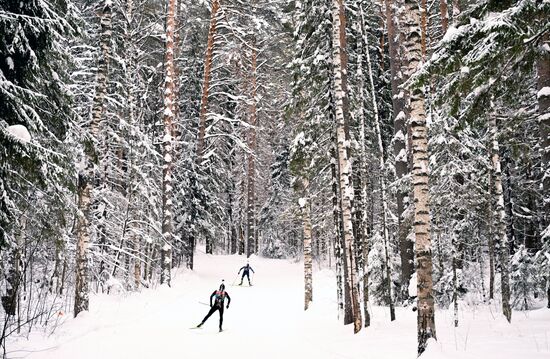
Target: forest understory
(264, 321)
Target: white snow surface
(20, 132)
(10, 63)
(544, 92)
(413, 286)
(267, 321)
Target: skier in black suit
(219, 297)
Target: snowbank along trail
(267, 321)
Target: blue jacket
(246, 268)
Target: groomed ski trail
(267, 321)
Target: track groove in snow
(267, 321)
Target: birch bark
(414, 51)
(87, 177)
(500, 221)
(305, 206)
(343, 144)
(168, 145)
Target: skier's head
(222, 286)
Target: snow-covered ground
(267, 321)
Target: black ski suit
(246, 273)
(220, 296)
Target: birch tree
(305, 206)
(382, 168)
(168, 143)
(363, 162)
(343, 143)
(337, 242)
(420, 173)
(502, 238)
(251, 157)
(491, 232)
(399, 96)
(87, 177)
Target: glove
(227, 306)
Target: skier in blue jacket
(246, 272)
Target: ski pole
(233, 284)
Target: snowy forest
(400, 148)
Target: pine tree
(207, 75)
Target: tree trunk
(251, 171)
(337, 233)
(132, 158)
(343, 143)
(362, 165)
(147, 263)
(382, 171)
(137, 263)
(399, 149)
(456, 9)
(206, 79)
(455, 279)
(423, 27)
(420, 175)
(241, 240)
(305, 206)
(444, 10)
(232, 225)
(500, 221)
(167, 145)
(543, 97)
(56, 281)
(87, 177)
(190, 247)
(348, 307)
(481, 269)
(14, 275)
(81, 301)
(490, 235)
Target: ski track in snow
(268, 321)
